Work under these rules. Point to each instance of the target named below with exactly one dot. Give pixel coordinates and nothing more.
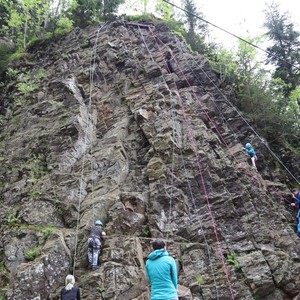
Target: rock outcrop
(125, 125)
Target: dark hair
(158, 244)
(294, 190)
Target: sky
(243, 18)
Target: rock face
(123, 124)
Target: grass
(32, 253)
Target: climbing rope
(216, 106)
(87, 138)
(173, 118)
(78, 213)
(242, 117)
(215, 126)
(193, 142)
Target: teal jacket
(162, 275)
(250, 151)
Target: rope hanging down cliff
(240, 115)
(263, 183)
(255, 46)
(193, 142)
(235, 109)
(92, 70)
(216, 127)
(173, 118)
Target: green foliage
(101, 290)
(146, 232)
(196, 30)
(32, 253)
(57, 203)
(64, 25)
(4, 289)
(164, 10)
(37, 167)
(90, 11)
(223, 62)
(56, 104)
(18, 55)
(47, 231)
(12, 73)
(232, 259)
(285, 51)
(26, 88)
(27, 84)
(30, 82)
(35, 194)
(3, 271)
(199, 279)
(257, 97)
(142, 18)
(4, 57)
(11, 219)
(24, 19)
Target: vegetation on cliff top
(269, 98)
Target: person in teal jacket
(250, 150)
(162, 273)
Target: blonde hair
(70, 281)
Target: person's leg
(95, 258)
(298, 222)
(90, 255)
(253, 159)
(96, 252)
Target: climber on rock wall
(296, 197)
(94, 245)
(250, 150)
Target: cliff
(122, 123)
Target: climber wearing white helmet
(94, 244)
(250, 150)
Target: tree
(224, 63)
(196, 29)
(25, 20)
(292, 117)
(90, 11)
(285, 52)
(3, 15)
(111, 6)
(240, 68)
(164, 10)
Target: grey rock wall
(119, 128)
